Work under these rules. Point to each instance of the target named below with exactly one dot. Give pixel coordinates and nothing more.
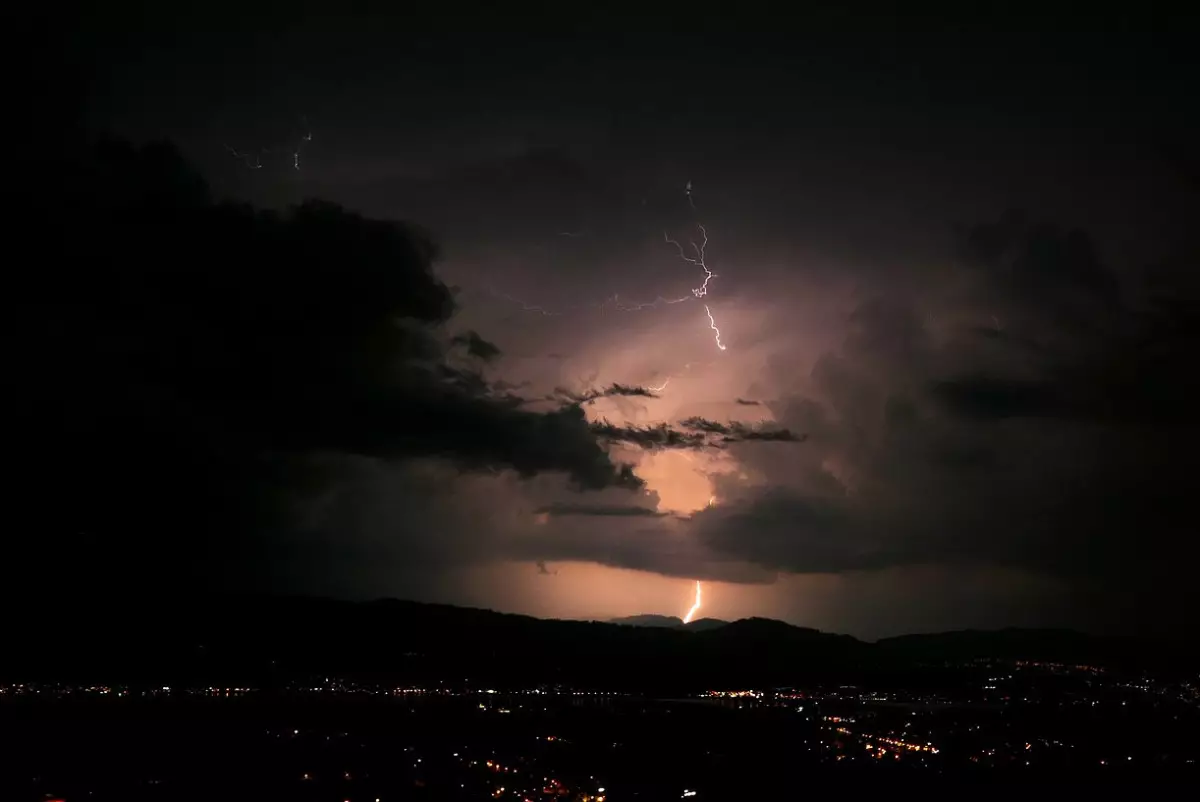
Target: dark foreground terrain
(353, 746)
(307, 700)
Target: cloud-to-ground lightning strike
(687, 619)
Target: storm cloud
(924, 411)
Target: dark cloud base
(178, 367)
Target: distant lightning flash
(525, 307)
(687, 619)
(254, 160)
(306, 138)
(251, 160)
(612, 302)
(621, 306)
(667, 380)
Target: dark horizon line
(164, 603)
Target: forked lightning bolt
(699, 261)
(698, 258)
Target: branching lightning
(699, 261)
(698, 258)
(621, 306)
(687, 619)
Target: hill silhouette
(271, 640)
(668, 622)
(649, 620)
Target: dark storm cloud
(477, 346)
(793, 531)
(1030, 407)
(693, 432)
(506, 201)
(1086, 353)
(185, 353)
(1039, 263)
(190, 357)
(612, 391)
(988, 398)
(650, 436)
(559, 510)
(735, 432)
(1068, 459)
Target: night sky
(955, 267)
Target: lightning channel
(712, 324)
(699, 259)
(695, 606)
